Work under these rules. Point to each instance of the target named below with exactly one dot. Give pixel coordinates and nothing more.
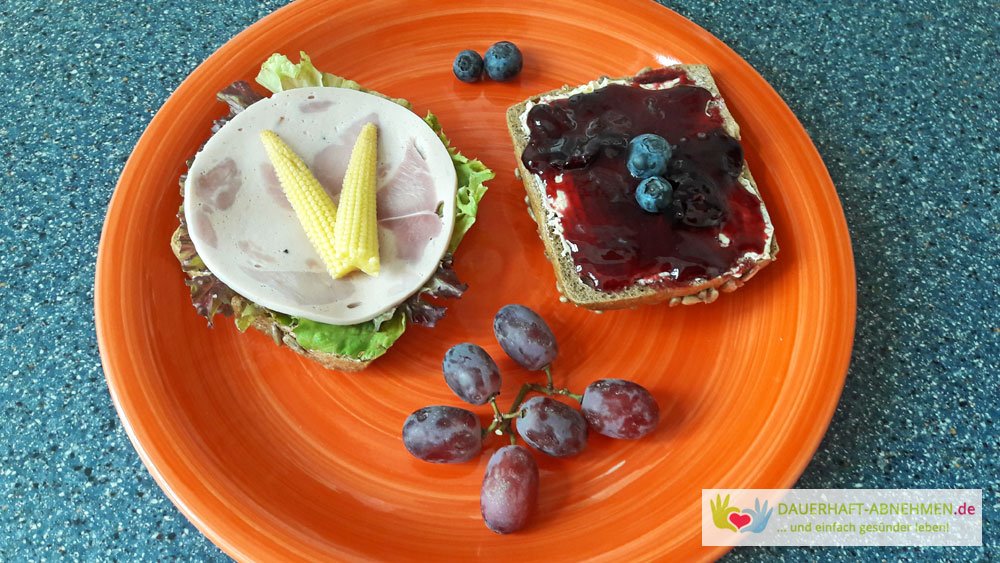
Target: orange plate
(274, 458)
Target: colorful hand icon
(760, 516)
(721, 511)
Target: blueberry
(648, 155)
(468, 66)
(654, 194)
(503, 61)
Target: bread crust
(569, 283)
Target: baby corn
(315, 210)
(356, 230)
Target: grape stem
(547, 391)
(497, 418)
(490, 428)
(496, 409)
(501, 420)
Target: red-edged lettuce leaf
(185, 251)
(443, 284)
(238, 96)
(210, 297)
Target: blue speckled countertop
(899, 97)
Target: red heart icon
(739, 520)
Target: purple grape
(552, 427)
(471, 373)
(510, 489)
(443, 434)
(620, 409)
(525, 337)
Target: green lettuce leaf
(282, 319)
(365, 341)
(247, 315)
(278, 74)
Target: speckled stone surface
(899, 97)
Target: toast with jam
(624, 226)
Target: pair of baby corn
(346, 237)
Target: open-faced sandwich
(640, 189)
(267, 235)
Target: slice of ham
(219, 185)
(202, 228)
(407, 205)
(315, 107)
(272, 185)
(254, 251)
(309, 288)
(247, 234)
(410, 189)
(412, 233)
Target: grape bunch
(616, 408)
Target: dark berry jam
(577, 146)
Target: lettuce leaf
(365, 341)
(210, 297)
(247, 315)
(238, 96)
(278, 74)
(444, 283)
(184, 250)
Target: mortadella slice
(249, 237)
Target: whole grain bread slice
(568, 281)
